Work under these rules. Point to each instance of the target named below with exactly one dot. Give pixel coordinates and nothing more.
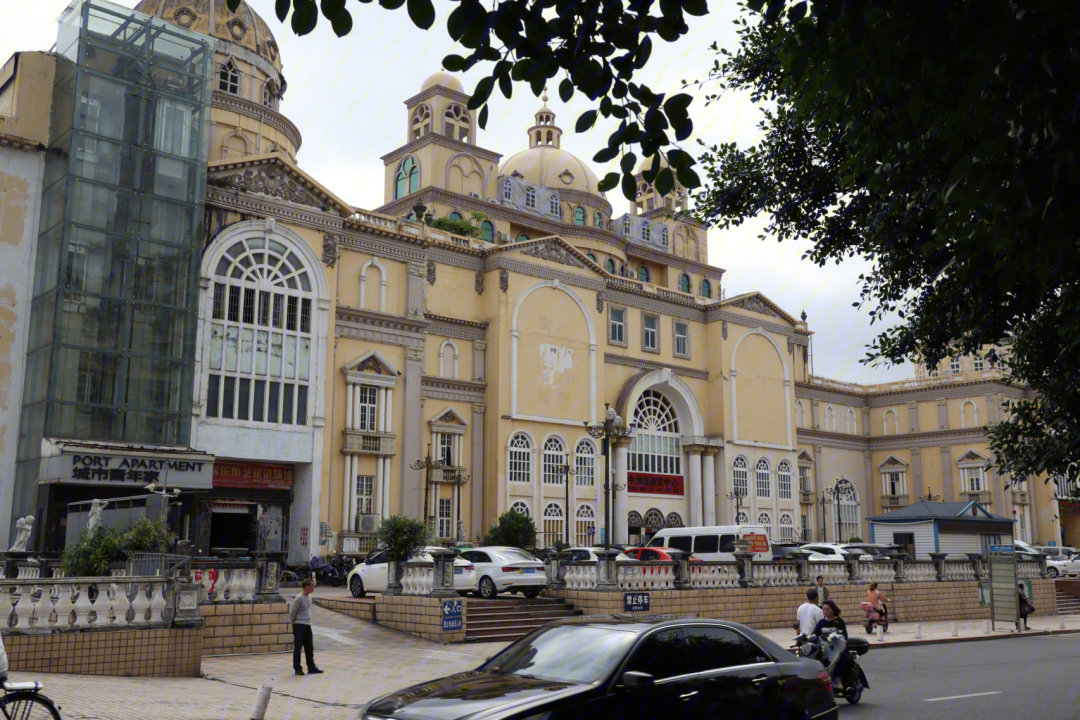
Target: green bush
(149, 535)
(403, 537)
(91, 555)
(855, 539)
(512, 529)
(458, 227)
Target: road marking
(959, 697)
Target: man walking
(300, 617)
(822, 591)
(809, 613)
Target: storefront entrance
(247, 508)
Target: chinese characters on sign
(451, 616)
(758, 543)
(653, 484)
(242, 475)
(132, 470)
(636, 602)
(1069, 507)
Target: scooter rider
(833, 620)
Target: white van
(715, 543)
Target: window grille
(783, 480)
(655, 447)
(585, 464)
(553, 459)
(761, 478)
(520, 461)
(740, 475)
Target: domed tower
(249, 84)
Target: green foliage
(149, 535)
(512, 529)
(939, 141)
(402, 536)
(91, 555)
(855, 539)
(458, 227)
(594, 47)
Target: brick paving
(361, 661)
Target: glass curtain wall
(112, 345)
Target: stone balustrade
(418, 578)
(226, 581)
(1028, 570)
(958, 570)
(833, 573)
(920, 571)
(59, 604)
(776, 574)
(648, 575)
(581, 575)
(713, 574)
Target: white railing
(418, 579)
(1028, 570)
(920, 571)
(714, 575)
(645, 575)
(581, 576)
(959, 570)
(357, 544)
(834, 573)
(883, 572)
(223, 584)
(776, 574)
(57, 604)
(836, 384)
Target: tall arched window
(521, 507)
(260, 342)
(598, 220)
(655, 446)
(762, 481)
(846, 526)
(448, 360)
(895, 422)
(852, 424)
(519, 459)
(664, 237)
(706, 289)
(584, 525)
(553, 460)
(579, 216)
(421, 122)
(800, 414)
(742, 518)
(609, 265)
(553, 525)
(455, 215)
(830, 419)
(654, 520)
(270, 94)
(969, 413)
(487, 231)
(740, 476)
(635, 522)
(787, 528)
(783, 480)
(553, 205)
(408, 178)
(765, 521)
(673, 520)
(684, 283)
(229, 77)
(585, 464)
(643, 273)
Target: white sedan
(588, 554)
(501, 569)
(371, 575)
(829, 552)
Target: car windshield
(517, 556)
(568, 653)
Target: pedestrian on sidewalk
(300, 617)
(822, 591)
(1023, 603)
(808, 614)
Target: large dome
(552, 167)
(213, 18)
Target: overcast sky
(345, 95)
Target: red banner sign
(1069, 507)
(246, 475)
(758, 543)
(651, 484)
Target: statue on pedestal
(22, 537)
(96, 506)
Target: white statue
(96, 506)
(24, 525)
(460, 531)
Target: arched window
(787, 528)
(229, 77)
(522, 237)
(969, 413)
(456, 123)
(579, 216)
(846, 526)
(783, 480)
(487, 231)
(740, 476)
(626, 225)
(553, 205)
(455, 216)
(646, 232)
(655, 446)
(830, 419)
(585, 464)
(742, 518)
(530, 197)
(421, 122)
(895, 422)
(591, 257)
(584, 525)
(519, 459)
(706, 289)
(852, 424)
(553, 460)
(684, 283)
(260, 342)
(270, 94)
(664, 237)
(408, 178)
(598, 220)
(609, 265)
(762, 481)
(508, 190)
(800, 414)
(643, 273)
(448, 360)
(634, 521)
(520, 507)
(765, 521)
(553, 525)
(673, 520)
(654, 520)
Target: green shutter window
(579, 216)
(487, 231)
(706, 289)
(610, 266)
(455, 216)
(522, 237)
(591, 257)
(684, 283)
(598, 220)
(643, 274)
(408, 178)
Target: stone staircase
(507, 619)
(1067, 603)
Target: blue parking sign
(451, 615)
(636, 602)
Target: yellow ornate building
(337, 346)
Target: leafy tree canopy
(512, 529)
(938, 139)
(590, 46)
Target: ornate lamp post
(427, 464)
(566, 472)
(737, 495)
(612, 429)
(833, 493)
(929, 496)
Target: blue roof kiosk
(946, 527)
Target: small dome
(647, 163)
(244, 27)
(552, 167)
(444, 79)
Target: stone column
(186, 613)
(682, 569)
(619, 506)
(868, 491)
(939, 564)
(606, 578)
(991, 410)
(442, 585)
(479, 351)
(822, 530)
(802, 560)
(866, 420)
(942, 414)
(708, 486)
(414, 292)
(913, 416)
(412, 504)
(948, 492)
(901, 571)
(916, 488)
(976, 563)
(476, 517)
(693, 474)
(745, 558)
(350, 390)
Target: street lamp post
(737, 495)
(929, 496)
(566, 472)
(613, 428)
(832, 492)
(427, 464)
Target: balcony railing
(806, 497)
(358, 442)
(981, 497)
(446, 474)
(357, 544)
(1021, 497)
(894, 501)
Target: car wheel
(356, 586)
(1052, 572)
(487, 588)
(530, 594)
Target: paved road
(1031, 677)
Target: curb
(976, 638)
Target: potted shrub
(402, 538)
(512, 529)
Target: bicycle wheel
(288, 576)
(26, 705)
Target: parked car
(588, 554)
(1054, 568)
(874, 550)
(715, 542)
(1056, 553)
(651, 553)
(500, 569)
(371, 575)
(783, 551)
(831, 552)
(631, 668)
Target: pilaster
(948, 492)
(411, 435)
(476, 519)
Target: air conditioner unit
(368, 523)
(478, 196)
(502, 237)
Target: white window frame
(617, 327)
(978, 363)
(885, 422)
(762, 479)
(554, 206)
(650, 337)
(519, 459)
(852, 422)
(584, 518)
(585, 463)
(787, 528)
(806, 478)
(522, 507)
(367, 396)
(830, 419)
(765, 520)
(554, 456)
(740, 475)
(530, 197)
(445, 512)
(954, 366)
(554, 524)
(893, 480)
(656, 446)
(973, 479)
(364, 490)
(233, 82)
(783, 480)
(682, 339)
(974, 415)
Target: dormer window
(626, 226)
(530, 197)
(508, 190)
(270, 94)
(646, 232)
(664, 236)
(229, 78)
(421, 122)
(554, 207)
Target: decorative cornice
(456, 321)
(890, 398)
(653, 305)
(717, 313)
(457, 257)
(19, 143)
(757, 303)
(840, 397)
(345, 313)
(454, 390)
(936, 438)
(385, 248)
(434, 90)
(652, 365)
(502, 262)
(451, 327)
(266, 206)
(259, 112)
(434, 138)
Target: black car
(627, 668)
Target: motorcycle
(340, 565)
(874, 618)
(829, 648)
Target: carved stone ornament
(755, 304)
(893, 462)
(790, 346)
(417, 268)
(552, 252)
(236, 28)
(184, 17)
(371, 365)
(970, 456)
(448, 419)
(600, 302)
(723, 329)
(414, 353)
(504, 279)
(805, 354)
(431, 272)
(566, 176)
(479, 283)
(330, 250)
(267, 181)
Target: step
(557, 612)
(503, 624)
(506, 637)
